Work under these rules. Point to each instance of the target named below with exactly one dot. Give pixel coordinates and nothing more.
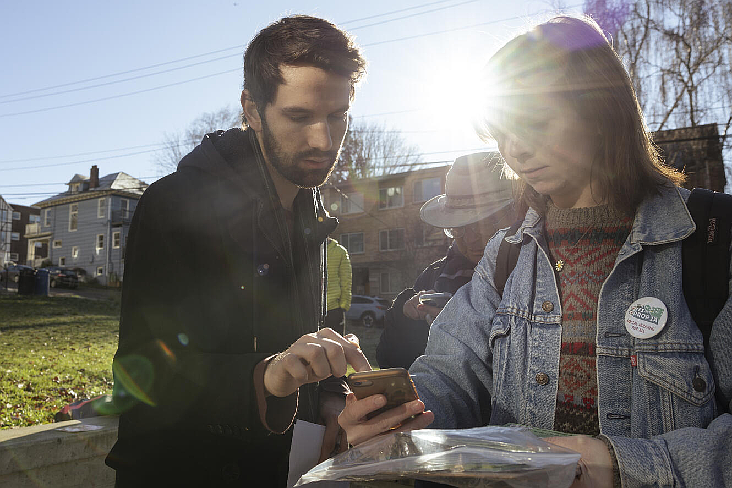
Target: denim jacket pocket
(499, 340)
(681, 383)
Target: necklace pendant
(559, 265)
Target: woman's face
(551, 148)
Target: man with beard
(223, 298)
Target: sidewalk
(64, 454)
(90, 292)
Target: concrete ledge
(50, 455)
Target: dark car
(81, 274)
(63, 277)
(11, 272)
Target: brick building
(380, 226)
(698, 152)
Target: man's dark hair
(298, 40)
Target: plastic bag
(491, 456)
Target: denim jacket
(488, 358)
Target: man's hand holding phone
(313, 357)
(381, 401)
(420, 308)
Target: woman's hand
(353, 418)
(595, 467)
(417, 311)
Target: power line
(118, 96)
(392, 12)
(237, 69)
(112, 75)
(444, 31)
(119, 73)
(118, 81)
(412, 15)
(161, 146)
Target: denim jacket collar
(661, 218)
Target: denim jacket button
(542, 378)
(547, 306)
(699, 384)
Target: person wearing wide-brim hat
(477, 202)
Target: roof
(117, 183)
(78, 178)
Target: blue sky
(421, 55)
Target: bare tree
(369, 149)
(178, 144)
(679, 56)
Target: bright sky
(79, 88)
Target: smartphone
(438, 300)
(394, 383)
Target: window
(125, 204)
(15, 236)
(100, 270)
(391, 197)
(352, 203)
(100, 242)
(16, 215)
(34, 219)
(426, 189)
(73, 217)
(75, 252)
(353, 242)
(57, 244)
(101, 208)
(74, 187)
(14, 256)
(47, 217)
(392, 239)
(388, 283)
(3, 215)
(116, 237)
(426, 235)
(62, 261)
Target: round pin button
(699, 384)
(547, 306)
(542, 378)
(646, 317)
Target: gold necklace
(559, 263)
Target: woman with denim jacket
(592, 334)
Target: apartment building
(380, 226)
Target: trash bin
(26, 281)
(43, 277)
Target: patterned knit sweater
(585, 243)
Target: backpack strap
(506, 259)
(706, 257)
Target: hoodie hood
(225, 154)
(232, 156)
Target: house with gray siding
(86, 226)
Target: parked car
(367, 310)
(81, 274)
(11, 272)
(63, 277)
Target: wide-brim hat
(476, 187)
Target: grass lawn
(57, 350)
(53, 351)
